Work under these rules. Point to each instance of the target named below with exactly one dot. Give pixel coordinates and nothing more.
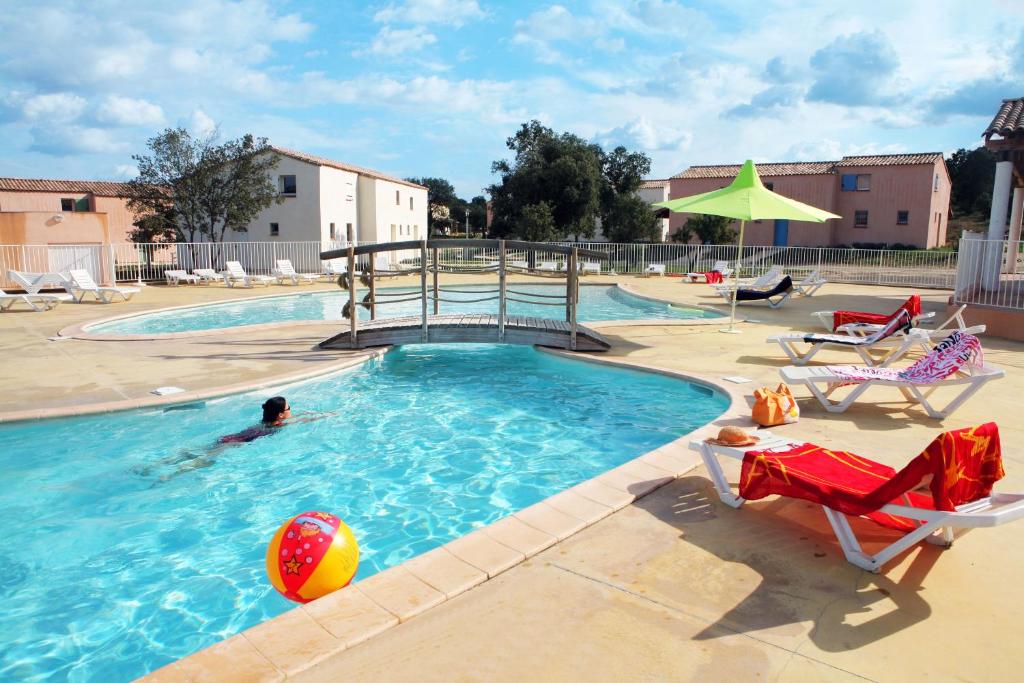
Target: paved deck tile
(398, 591)
(445, 572)
(350, 616)
(551, 521)
(519, 536)
(484, 553)
(293, 641)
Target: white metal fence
(990, 273)
(148, 262)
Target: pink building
(69, 197)
(883, 199)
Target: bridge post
(373, 289)
(501, 290)
(425, 335)
(437, 301)
(570, 297)
(354, 315)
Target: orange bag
(775, 407)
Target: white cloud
(126, 111)
(394, 42)
(201, 124)
(126, 171)
(54, 107)
(66, 140)
(643, 134)
(451, 12)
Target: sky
(433, 88)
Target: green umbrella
(746, 199)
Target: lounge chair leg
(719, 479)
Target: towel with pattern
(947, 358)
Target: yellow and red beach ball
(311, 555)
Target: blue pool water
(127, 547)
(596, 303)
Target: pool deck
(673, 585)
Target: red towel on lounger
(712, 277)
(964, 465)
(911, 306)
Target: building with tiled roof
(1008, 121)
(100, 188)
(884, 199)
(321, 161)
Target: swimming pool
(128, 548)
(597, 302)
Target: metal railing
(990, 273)
(147, 262)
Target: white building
(328, 201)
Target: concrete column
(996, 225)
(1016, 213)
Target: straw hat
(733, 436)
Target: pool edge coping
(360, 357)
(81, 332)
(319, 629)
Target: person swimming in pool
(277, 413)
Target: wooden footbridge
(365, 266)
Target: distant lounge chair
(721, 268)
(333, 269)
(835, 320)
(32, 283)
(590, 267)
(962, 466)
(896, 336)
(208, 275)
(37, 302)
(810, 284)
(776, 296)
(286, 271)
(382, 267)
(654, 269)
(547, 267)
(523, 265)
(955, 361)
(765, 281)
(176, 277)
(80, 283)
(236, 273)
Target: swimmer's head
(275, 409)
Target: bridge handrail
(456, 244)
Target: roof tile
(776, 169)
(1009, 120)
(321, 161)
(100, 188)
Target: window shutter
(849, 182)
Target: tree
(972, 174)
(708, 229)
(537, 223)
(195, 188)
(551, 174)
(624, 216)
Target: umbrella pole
(735, 283)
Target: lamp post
(467, 222)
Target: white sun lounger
(523, 265)
(826, 319)
(208, 275)
(765, 281)
(80, 283)
(720, 267)
(236, 273)
(37, 302)
(823, 381)
(936, 526)
(654, 269)
(176, 277)
(810, 284)
(590, 267)
(286, 271)
(547, 267)
(934, 333)
(887, 338)
(32, 283)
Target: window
(334, 232)
(860, 219)
(286, 185)
(935, 183)
(770, 186)
(348, 232)
(275, 229)
(67, 204)
(410, 203)
(398, 198)
(855, 182)
(902, 217)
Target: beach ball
(312, 554)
